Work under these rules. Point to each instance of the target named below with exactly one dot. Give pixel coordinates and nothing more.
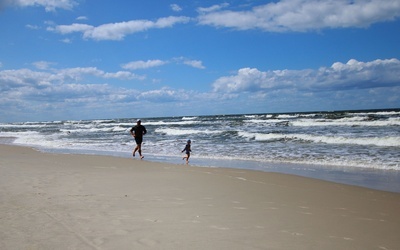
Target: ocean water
(348, 144)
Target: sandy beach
(63, 201)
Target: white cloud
(49, 5)
(36, 95)
(27, 77)
(78, 73)
(156, 63)
(66, 40)
(81, 18)
(164, 95)
(143, 64)
(123, 75)
(117, 31)
(194, 64)
(303, 15)
(67, 29)
(340, 76)
(38, 79)
(42, 64)
(175, 7)
(213, 8)
(32, 27)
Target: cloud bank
(302, 15)
(340, 76)
(281, 16)
(117, 31)
(34, 92)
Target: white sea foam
(384, 113)
(377, 141)
(189, 118)
(261, 136)
(269, 122)
(22, 125)
(34, 138)
(288, 116)
(171, 131)
(353, 121)
(256, 121)
(168, 123)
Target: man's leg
(140, 150)
(134, 151)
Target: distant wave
(382, 142)
(171, 131)
(189, 118)
(164, 123)
(352, 121)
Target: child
(188, 150)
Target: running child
(188, 150)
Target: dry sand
(55, 201)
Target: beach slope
(63, 201)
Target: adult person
(137, 132)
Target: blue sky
(89, 59)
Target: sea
(353, 147)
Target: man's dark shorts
(139, 140)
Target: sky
(90, 59)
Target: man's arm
(132, 132)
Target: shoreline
(384, 180)
(56, 201)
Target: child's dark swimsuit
(187, 149)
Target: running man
(137, 132)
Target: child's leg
(187, 158)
